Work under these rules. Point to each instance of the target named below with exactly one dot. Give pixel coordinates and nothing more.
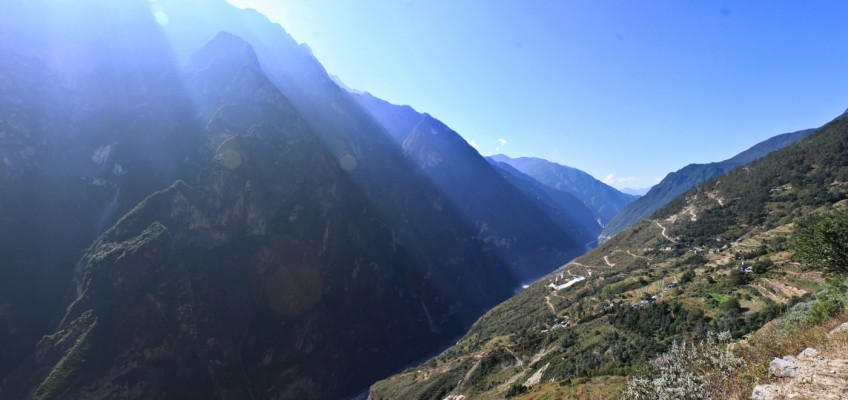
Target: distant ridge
(635, 192)
(604, 200)
(532, 236)
(681, 181)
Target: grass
(602, 387)
(720, 298)
(804, 283)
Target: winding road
(663, 233)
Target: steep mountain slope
(519, 229)
(554, 202)
(713, 259)
(681, 181)
(335, 116)
(599, 197)
(80, 144)
(273, 185)
(271, 275)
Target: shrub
(690, 371)
(687, 276)
(822, 310)
(517, 390)
(763, 265)
(738, 278)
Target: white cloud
(501, 143)
(610, 179)
(474, 144)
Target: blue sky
(624, 90)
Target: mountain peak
(225, 46)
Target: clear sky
(624, 90)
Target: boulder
(808, 353)
(763, 392)
(784, 367)
(839, 329)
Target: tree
(738, 278)
(820, 242)
(732, 306)
(763, 265)
(687, 276)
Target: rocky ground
(812, 374)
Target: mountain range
(541, 233)
(197, 210)
(191, 207)
(681, 181)
(604, 200)
(714, 259)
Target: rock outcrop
(810, 375)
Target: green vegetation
(689, 370)
(709, 369)
(821, 242)
(68, 369)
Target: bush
(517, 390)
(687, 276)
(828, 302)
(738, 278)
(763, 265)
(690, 371)
(822, 310)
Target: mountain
(520, 229)
(714, 259)
(226, 224)
(81, 143)
(270, 267)
(604, 200)
(554, 202)
(681, 181)
(337, 116)
(635, 192)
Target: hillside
(554, 203)
(604, 200)
(337, 117)
(714, 259)
(683, 180)
(270, 267)
(522, 230)
(239, 212)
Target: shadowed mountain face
(558, 205)
(679, 182)
(271, 240)
(81, 142)
(345, 127)
(518, 227)
(604, 200)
